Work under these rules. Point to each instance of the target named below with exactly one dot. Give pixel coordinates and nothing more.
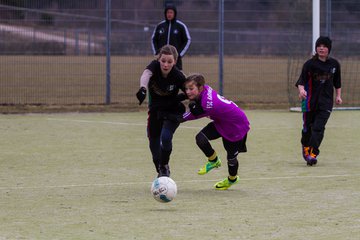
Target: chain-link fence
(55, 52)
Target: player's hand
(195, 108)
(338, 100)
(302, 94)
(141, 95)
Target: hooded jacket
(172, 32)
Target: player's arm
(337, 85)
(301, 82)
(338, 99)
(145, 78)
(196, 111)
(154, 40)
(182, 96)
(185, 40)
(144, 81)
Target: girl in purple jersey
(228, 122)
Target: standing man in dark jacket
(171, 31)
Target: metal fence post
(108, 45)
(221, 46)
(328, 18)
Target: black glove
(141, 94)
(181, 108)
(195, 108)
(181, 97)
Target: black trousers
(313, 128)
(160, 134)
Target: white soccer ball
(164, 189)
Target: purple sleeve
(188, 116)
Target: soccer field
(88, 176)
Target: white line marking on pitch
(90, 121)
(143, 124)
(188, 181)
(113, 123)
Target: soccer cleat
(209, 166)
(226, 183)
(311, 159)
(305, 152)
(164, 171)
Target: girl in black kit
(163, 80)
(319, 76)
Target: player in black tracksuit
(163, 80)
(319, 76)
(171, 31)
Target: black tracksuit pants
(313, 128)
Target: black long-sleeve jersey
(163, 91)
(319, 80)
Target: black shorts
(232, 148)
(156, 124)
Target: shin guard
(233, 166)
